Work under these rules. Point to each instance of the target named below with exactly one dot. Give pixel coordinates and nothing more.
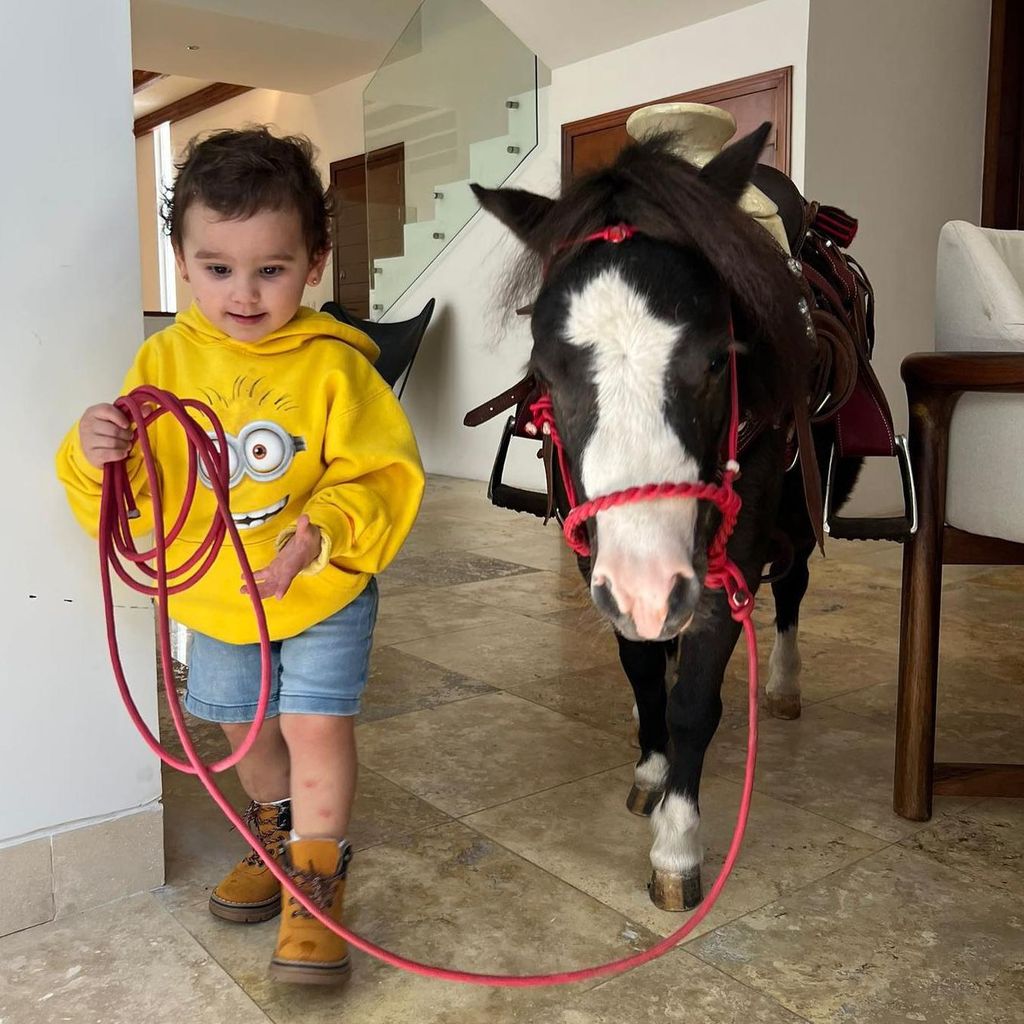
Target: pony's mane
(665, 198)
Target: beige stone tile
(538, 594)
(517, 650)
(424, 612)
(545, 549)
(450, 897)
(599, 696)
(400, 683)
(26, 885)
(984, 844)
(485, 751)
(830, 762)
(124, 963)
(979, 717)
(895, 938)
(108, 860)
(1004, 577)
(583, 621)
(677, 989)
(865, 612)
(986, 625)
(830, 667)
(465, 532)
(602, 849)
(448, 567)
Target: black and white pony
(633, 342)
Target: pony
(636, 343)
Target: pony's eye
(718, 363)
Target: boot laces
(262, 828)
(320, 890)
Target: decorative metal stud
(794, 266)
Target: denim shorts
(322, 671)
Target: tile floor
(491, 831)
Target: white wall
(69, 288)
(895, 128)
(463, 364)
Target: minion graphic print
(261, 450)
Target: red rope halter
(722, 573)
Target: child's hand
(105, 434)
(301, 549)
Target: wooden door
(362, 214)
(1002, 201)
(596, 141)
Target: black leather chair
(398, 342)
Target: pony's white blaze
(642, 547)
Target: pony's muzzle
(653, 605)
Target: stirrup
(897, 528)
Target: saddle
(844, 398)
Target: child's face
(247, 276)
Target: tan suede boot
(307, 952)
(249, 892)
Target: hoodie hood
(306, 326)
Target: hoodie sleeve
(367, 500)
(83, 482)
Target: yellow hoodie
(312, 428)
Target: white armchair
(967, 455)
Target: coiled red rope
(145, 406)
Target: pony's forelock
(665, 198)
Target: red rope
(721, 573)
(143, 407)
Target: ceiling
(305, 46)
(301, 46)
(564, 31)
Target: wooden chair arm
(952, 373)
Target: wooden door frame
(335, 166)
(1002, 194)
(779, 78)
(394, 153)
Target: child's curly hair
(240, 172)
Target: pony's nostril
(603, 597)
(683, 597)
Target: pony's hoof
(674, 892)
(643, 801)
(784, 705)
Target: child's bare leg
(263, 772)
(323, 772)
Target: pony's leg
(644, 665)
(783, 689)
(694, 711)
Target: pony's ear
(517, 209)
(729, 173)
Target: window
(165, 251)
